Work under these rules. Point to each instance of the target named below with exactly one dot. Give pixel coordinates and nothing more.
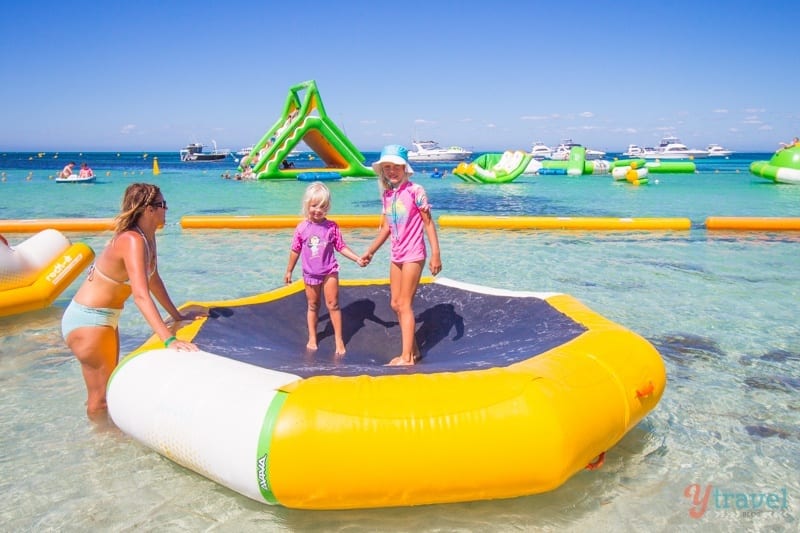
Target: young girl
(406, 216)
(128, 266)
(315, 240)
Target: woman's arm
(159, 290)
(132, 250)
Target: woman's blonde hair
(136, 199)
(316, 193)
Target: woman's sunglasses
(162, 203)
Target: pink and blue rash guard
(317, 244)
(402, 207)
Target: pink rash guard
(402, 207)
(317, 244)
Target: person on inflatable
(795, 142)
(66, 172)
(85, 172)
(406, 218)
(128, 266)
(315, 241)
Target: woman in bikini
(127, 266)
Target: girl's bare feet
(312, 345)
(401, 361)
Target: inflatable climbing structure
(304, 119)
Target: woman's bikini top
(93, 268)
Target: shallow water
(719, 306)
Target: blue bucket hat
(393, 153)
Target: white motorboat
(540, 151)
(671, 147)
(245, 151)
(561, 152)
(715, 150)
(193, 153)
(431, 151)
(639, 151)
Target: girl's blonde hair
(136, 199)
(316, 193)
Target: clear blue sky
(156, 75)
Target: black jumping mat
(456, 330)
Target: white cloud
(586, 114)
(128, 128)
(719, 111)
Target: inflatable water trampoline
(514, 393)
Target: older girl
(406, 216)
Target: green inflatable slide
(304, 119)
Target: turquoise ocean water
(721, 308)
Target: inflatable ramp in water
(494, 168)
(304, 119)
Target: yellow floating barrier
(754, 223)
(560, 223)
(61, 224)
(271, 221)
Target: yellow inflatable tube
(754, 223)
(61, 224)
(496, 433)
(563, 223)
(271, 221)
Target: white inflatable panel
(156, 398)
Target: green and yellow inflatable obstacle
(494, 168)
(656, 167)
(783, 167)
(304, 119)
(575, 165)
(634, 173)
